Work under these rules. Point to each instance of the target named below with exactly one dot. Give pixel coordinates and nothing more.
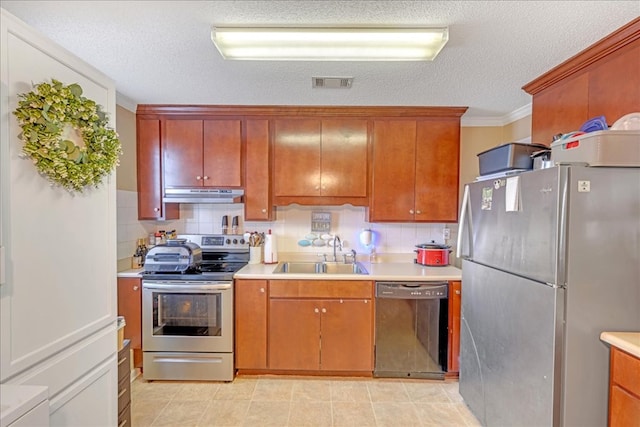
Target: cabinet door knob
(264, 211)
(135, 288)
(457, 292)
(317, 187)
(324, 310)
(156, 209)
(262, 290)
(418, 212)
(315, 310)
(411, 211)
(198, 177)
(206, 177)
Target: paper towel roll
(270, 249)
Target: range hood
(202, 195)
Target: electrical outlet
(446, 233)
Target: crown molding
(511, 117)
(125, 102)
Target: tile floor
(297, 401)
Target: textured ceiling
(160, 52)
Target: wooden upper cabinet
(560, 109)
(182, 151)
(297, 157)
(602, 80)
(437, 170)
(344, 158)
(394, 170)
(222, 153)
(325, 158)
(415, 170)
(257, 188)
(202, 153)
(614, 87)
(149, 173)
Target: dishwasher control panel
(412, 290)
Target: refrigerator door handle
(465, 223)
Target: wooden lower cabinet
(130, 306)
(624, 391)
(124, 386)
(455, 300)
(325, 335)
(251, 324)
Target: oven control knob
(235, 241)
(228, 241)
(242, 242)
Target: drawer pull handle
(121, 361)
(122, 392)
(457, 292)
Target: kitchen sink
(320, 268)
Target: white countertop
(131, 273)
(17, 400)
(377, 271)
(397, 271)
(625, 341)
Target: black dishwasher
(411, 329)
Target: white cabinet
(24, 406)
(58, 298)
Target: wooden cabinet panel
(603, 79)
(455, 300)
(202, 153)
(294, 331)
(319, 161)
(182, 152)
(297, 157)
(347, 335)
(344, 158)
(251, 324)
(321, 325)
(149, 173)
(130, 306)
(625, 408)
(614, 86)
(437, 171)
(257, 197)
(222, 153)
(320, 289)
(626, 370)
(394, 170)
(624, 389)
(560, 109)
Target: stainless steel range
(187, 307)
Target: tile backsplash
(291, 225)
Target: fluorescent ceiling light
(330, 44)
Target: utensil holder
(255, 254)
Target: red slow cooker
(432, 254)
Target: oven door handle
(184, 287)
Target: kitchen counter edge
(390, 271)
(625, 341)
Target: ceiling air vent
(332, 82)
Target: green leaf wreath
(46, 115)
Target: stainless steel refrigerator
(551, 258)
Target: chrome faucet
(336, 242)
